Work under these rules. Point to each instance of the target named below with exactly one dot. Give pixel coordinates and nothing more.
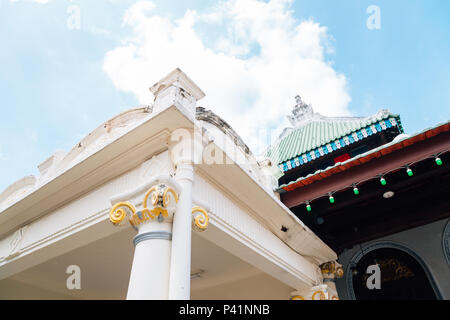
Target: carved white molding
(14, 244)
(157, 165)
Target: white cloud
(259, 59)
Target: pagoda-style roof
(320, 135)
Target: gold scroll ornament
(160, 200)
(200, 219)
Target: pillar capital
(325, 291)
(331, 270)
(158, 204)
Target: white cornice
(179, 79)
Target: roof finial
(301, 111)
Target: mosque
(166, 201)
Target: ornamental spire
(302, 112)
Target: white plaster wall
(425, 241)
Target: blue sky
(58, 84)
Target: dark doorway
(402, 277)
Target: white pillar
(149, 279)
(180, 274)
(176, 89)
(153, 217)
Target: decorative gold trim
(332, 268)
(297, 298)
(200, 221)
(166, 197)
(322, 295)
(149, 214)
(334, 298)
(160, 199)
(154, 192)
(118, 212)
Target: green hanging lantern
(383, 181)
(409, 172)
(308, 207)
(438, 161)
(331, 199)
(356, 191)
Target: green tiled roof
(317, 133)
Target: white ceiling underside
(106, 264)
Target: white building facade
(160, 202)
